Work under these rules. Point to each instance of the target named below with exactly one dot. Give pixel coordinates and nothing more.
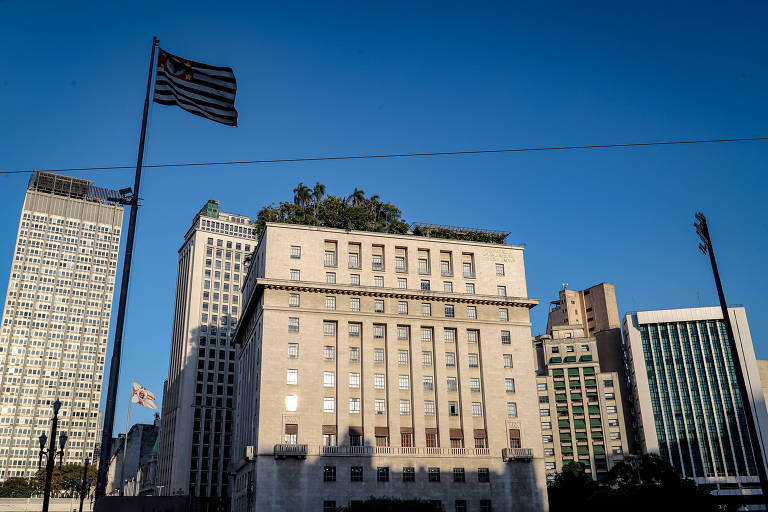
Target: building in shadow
(196, 436)
(132, 458)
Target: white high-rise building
(687, 403)
(53, 338)
(196, 433)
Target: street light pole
(51, 453)
(702, 229)
(114, 368)
(86, 480)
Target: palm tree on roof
(357, 197)
(301, 195)
(317, 195)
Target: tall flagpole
(125, 443)
(114, 369)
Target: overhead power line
(399, 155)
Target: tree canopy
(63, 483)
(312, 207)
(644, 483)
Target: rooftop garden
(312, 207)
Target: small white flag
(142, 396)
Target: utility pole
(114, 369)
(702, 229)
(51, 453)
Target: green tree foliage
(646, 483)
(64, 481)
(16, 487)
(474, 236)
(311, 206)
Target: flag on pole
(142, 396)
(200, 89)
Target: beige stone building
(374, 364)
(56, 319)
(198, 397)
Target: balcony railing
(346, 451)
(368, 451)
(283, 451)
(513, 454)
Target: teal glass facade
(698, 410)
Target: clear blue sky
(328, 78)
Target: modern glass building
(687, 403)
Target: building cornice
(396, 293)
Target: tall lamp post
(51, 453)
(706, 247)
(84, 483)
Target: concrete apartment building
(581, 407)
(582, 383)
(596, 311)
(375, 364)
(687, 403)
(196, 424)
(56, 319)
